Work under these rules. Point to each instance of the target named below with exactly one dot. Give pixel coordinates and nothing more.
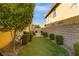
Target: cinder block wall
(69, 32)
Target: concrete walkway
(38, 34)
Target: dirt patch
(8, 51)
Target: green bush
(52, 36)
(25, 38)
(31, 36)
(76, 48)
(33, 33)
(42, 32)
(59, 39)
(45, 34)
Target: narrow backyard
(41, 46)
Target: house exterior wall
(63, 11)
(65, 23)
(28, 28)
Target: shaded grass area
(42, 47)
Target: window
(74, 4)
(74, 7)
(50, 15)
(54, 14)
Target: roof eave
(52, 9)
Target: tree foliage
(15, 16)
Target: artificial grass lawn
(42, 47)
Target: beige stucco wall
(28, 28)
(63, 11)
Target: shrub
(31, 36)
(45, 34)
(52, 36)
(33, 33)
(42, 32)
(25, 38)
(76, 48)
(59, 39)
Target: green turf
(42, 47)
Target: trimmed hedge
(33, 33)
(27, 37)
(59, 39)
(42, 32)
(52, 36)
(76, 48)
(31, 36)
(45, 34)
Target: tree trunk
(14, 41)
(13, 35)
(29, 27)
